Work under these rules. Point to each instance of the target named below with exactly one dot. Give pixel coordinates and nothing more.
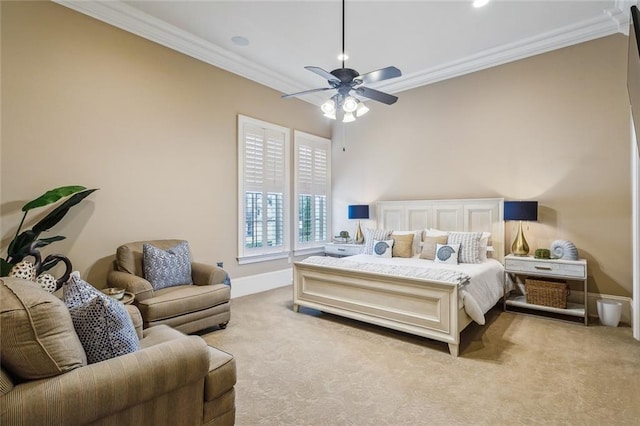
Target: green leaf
(5, 267)
(59, 212)
(52, 196)
(23, 242)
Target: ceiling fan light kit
(348, 83)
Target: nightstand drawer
(342, 249)
(553, 268)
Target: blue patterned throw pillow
(447, 253)
(167, 268)
(102, 323)
(383, 248)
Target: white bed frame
(417, 306)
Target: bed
(397, 293)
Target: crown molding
(121, 15)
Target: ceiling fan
(348, 82)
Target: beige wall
(552, 128)
(86, 103)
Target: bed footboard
(423, 308)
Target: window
(263, 190)
(312, 190)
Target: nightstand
(342, 250)
(574, 270)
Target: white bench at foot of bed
(416, 306)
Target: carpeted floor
(312, 368)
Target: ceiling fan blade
(324, 74)
(376, 95)
(379, 75)
(291, 95)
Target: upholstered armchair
(187, 308)
(45, 379)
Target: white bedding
(478, 294)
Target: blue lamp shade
(359, 211)
(521, 210)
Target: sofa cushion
(167, 268)
(37, 335)
(102, 323)
(175, 301)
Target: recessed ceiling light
(480, 3)
(240, 41)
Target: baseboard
(592, 298)
(244, 286)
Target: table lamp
(520, 210)
(359, 211)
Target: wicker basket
(546, 293)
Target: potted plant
(25, 242)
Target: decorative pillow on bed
(483, 246)
(429, 246)
(402, 245)
(382, 248)
(469, 242)
(371, 235)
(447, 253)
(432, 232)
(417, 239)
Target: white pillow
(417, 240)
(383, 248)
(447, 253)
(483, 246)
(432, 232)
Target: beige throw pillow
(429, 246)
(403, 245)
(36, 333)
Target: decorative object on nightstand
(521, 211)
(563, 249)
(540, 289)
(542, 254)
(359, 211)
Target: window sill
(266, 257)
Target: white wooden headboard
(466, 215)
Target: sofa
(188, 308)
(171, 379)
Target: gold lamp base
(520, 246)
(359, 239)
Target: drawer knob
(543, 268)
(341, 249)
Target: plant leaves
(52, 196)
(5, 267)
(59, 212)
(23, 242)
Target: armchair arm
(203, 274)
(140, 287)
(89, 393)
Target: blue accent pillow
(102, 323)
(167, 268)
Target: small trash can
(609, 312)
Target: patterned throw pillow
(429, 246)
(402, 245)
(167, 268)
(447, 253)
(371, 235)
(383, 248)
(469, 245)
(102, 323)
